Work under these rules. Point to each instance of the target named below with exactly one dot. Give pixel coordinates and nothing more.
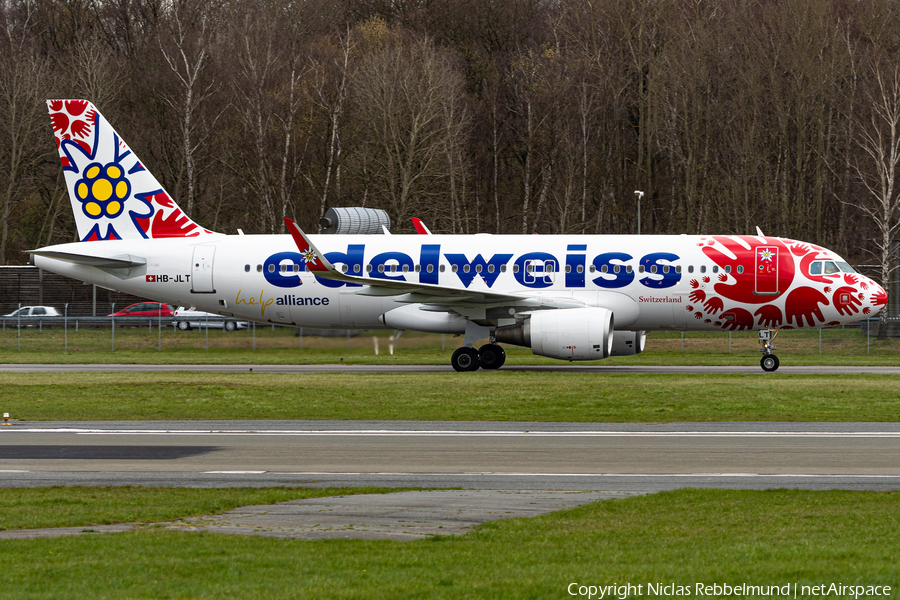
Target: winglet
(315, 260)
(420, 226)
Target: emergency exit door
(202, 270)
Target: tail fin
(113, 196)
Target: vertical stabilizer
(113, 196)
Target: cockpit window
(845, 267)
(827, 267)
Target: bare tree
(23, 129)
(401, 96)
(879, 139)
(186, 47)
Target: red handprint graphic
(743, 267)
(59, 122)
(75, 107)
(697, 296)
(804, 303)
(769, 315)
(737, 319)
(845, 301)
(879, 298)
(713, 305)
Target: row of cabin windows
(295, 268)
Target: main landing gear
(769, 361)
(489, 356)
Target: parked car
(145, 309)
(34, 311)
(188, 318)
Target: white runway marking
(464, 433)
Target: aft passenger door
(202, 270)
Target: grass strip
(835, 346)
(484, 396)
(76, 506)
(682, 537)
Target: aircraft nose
(877, 298)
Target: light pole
(639, 195)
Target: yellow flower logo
(103, 190)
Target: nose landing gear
(769, 361)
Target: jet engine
(567, 334)
(628, 343)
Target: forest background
(499, 116)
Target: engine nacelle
(567, 334)
(628, 343)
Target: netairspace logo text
(742, 590)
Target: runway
(477, 455)
(749, 369)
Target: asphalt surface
(339, 368)
(637, 458)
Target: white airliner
(571, 297)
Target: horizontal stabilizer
(121, 261)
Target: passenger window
(490, 268)
(369, 268)
(503, 268)
(381, 268)
(38, 310)
(418, 268)
(443, 267)
(678, 269)
(259, 268)
(454, 268)
(343, 268)
(430, 268)
(690, 268)
(580, 268)
(703, 268)
(628, 269)
(653, 269)
(740, 269)
(715, 268)
(465, 268)
(604, 269)
(617, 268)
(406, 268)
(641, 269)
(728, 268)
(246, 268)
(271, 268)
(515, 268)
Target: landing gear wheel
(465, 359)
(184, 325)
(492, 356)
(769, 363)
(230, 325)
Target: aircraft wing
(438, 297)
